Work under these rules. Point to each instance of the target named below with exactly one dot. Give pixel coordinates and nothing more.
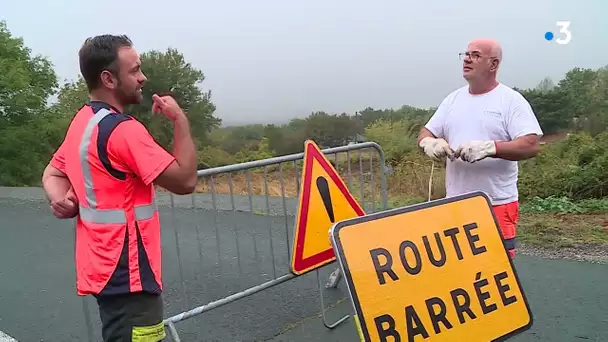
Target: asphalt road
(38, 300)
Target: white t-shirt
(501, 114)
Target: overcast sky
(272, 60)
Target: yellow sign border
(339, 252)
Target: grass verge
(561, 230)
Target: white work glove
(475, 150)
(436, 148)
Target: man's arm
(425, 133)
(525, 147)
(430, 138)
(525, 131)
(180, 176)
(59, 193)
(55, 183)
(134, 150)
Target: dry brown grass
(240, 184)
(409, 180)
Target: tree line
(32, 126)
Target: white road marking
(5, 338)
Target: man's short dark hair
(100, 53)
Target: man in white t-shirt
(482, 130)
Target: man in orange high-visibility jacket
(104, 174)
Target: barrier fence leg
(172, 331)
(333, 279)
(87, 319)
(327, 325)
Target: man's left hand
(67, 207)
(476, 150)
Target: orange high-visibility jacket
(111, 161)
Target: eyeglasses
(473, 56)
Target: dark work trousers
(131, 317)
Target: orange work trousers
(507, 215)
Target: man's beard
(129, 97)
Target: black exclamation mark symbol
(324, 191)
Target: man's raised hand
(167, 106)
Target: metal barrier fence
(234, 238)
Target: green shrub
(576, 167)
(397, 138)
(565, 205)
(210, 156)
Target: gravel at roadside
(589, 253)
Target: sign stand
(324, 200)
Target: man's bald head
(488, 47)
(483, 57)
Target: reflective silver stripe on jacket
(116, 216)
(90, 213)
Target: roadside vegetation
(563, 190)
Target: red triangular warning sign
(324, 200)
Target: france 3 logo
(564, 37)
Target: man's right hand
(436, 148)
(167, 106)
